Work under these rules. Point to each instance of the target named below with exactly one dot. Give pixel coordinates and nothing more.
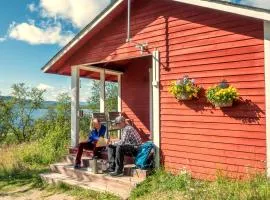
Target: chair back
(113, 115)
(100, 116)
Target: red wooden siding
(195, 135)
(135, 94)
(209, 46)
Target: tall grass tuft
(25, 161)
(164, 185)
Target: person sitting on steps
(98, 131)
(129, 143)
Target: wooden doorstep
(129, 169)
(55, 178)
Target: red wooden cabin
(207, 40)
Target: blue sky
(32, 31)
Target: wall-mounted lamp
(142, 47)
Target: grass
(164, 185)
(50, 190)
(20, 165)
(80, 193)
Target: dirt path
(27, 193)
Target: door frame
(155, 104)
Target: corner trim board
(267, 90)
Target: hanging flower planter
(184, 89)
(184, 97)
(223, 104)
(222, 95)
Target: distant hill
(46, 103)
(5, 97)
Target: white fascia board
(83, 34)
(98, 69)
(267, 90)
(229, 8)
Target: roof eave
(81, 34)
(231, 8)
(261, 14)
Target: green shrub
(49, 149)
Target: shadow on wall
(245, 110)
(145, 137)
(198, 105)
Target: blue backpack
(145, 157)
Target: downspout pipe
(128, 21)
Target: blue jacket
(94, 134)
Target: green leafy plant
(222, 95)
(184, 89)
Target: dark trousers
(116, 155)
(87, 146)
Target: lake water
(39, 113)
(42, 112)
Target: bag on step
(145, 156)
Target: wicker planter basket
(184, 97)
(223, 105)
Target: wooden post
(156, 106)
(75, 104)
(102, 91)
(151, 101)
(119, 103)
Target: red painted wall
(209, 46)
(135, 94)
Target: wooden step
(86, 162)
(84, 175)
(54, 178)
(103, 155)
(129, 169)
(86, 153)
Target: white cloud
(52, 92)
(43, 86)
(257, 3)
(54, 16)
(34, 35)
(79, 12)
(32, 7)
(2, 39)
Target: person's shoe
(77, 166)
(108, 170)
(116, 174)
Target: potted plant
(222, 95)
(184, 89)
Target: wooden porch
(138, 98)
